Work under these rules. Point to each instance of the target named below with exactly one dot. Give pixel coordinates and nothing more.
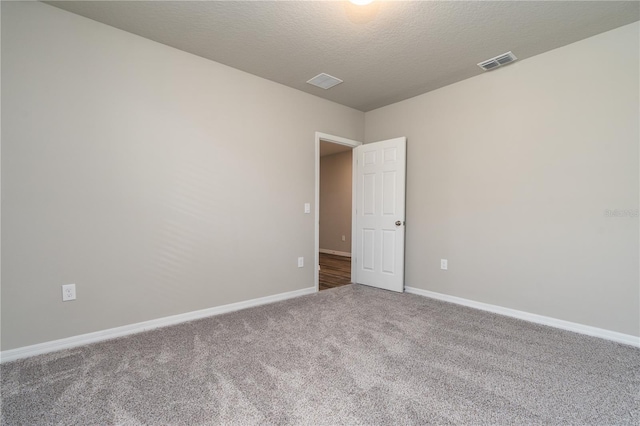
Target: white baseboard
(98, 336)
(337, 253)
(627, 339)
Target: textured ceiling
(385, 52)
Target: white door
(380, 197)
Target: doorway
(378, 224)
(334, 211)
(335, 215)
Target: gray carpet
(352, 355)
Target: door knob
(398, 223)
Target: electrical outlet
(68, 292)
(301, 262)
(344, 238)
(307, 208)
(443, 264)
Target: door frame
(353, 144)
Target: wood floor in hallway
(335, 271)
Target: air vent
(324, 81)
(498, 61)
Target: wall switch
(307, 208)
(443, 264)
(300, 262)
(344, 238)
(68, 292)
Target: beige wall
(335, 201)
(509, 177)
(157, 181)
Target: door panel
(380, 213)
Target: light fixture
(361, 2)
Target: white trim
(627, 339)
(316, 220)
(337, 139)
(354, 216)
(98, 336)
(335, 252)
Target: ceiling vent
(324, 81)
(498, 61)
